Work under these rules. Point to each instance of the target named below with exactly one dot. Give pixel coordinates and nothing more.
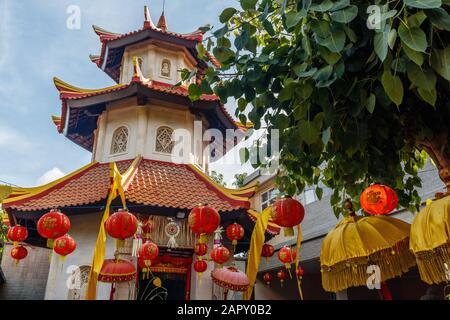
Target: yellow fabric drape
(297, 260)
(119, 183)
(256, 244)
(99, 251)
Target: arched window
(164, 142)
(119, 140)
(78, 283)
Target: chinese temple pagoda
(131, 124)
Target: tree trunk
(437, 149)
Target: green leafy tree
(239, 179)
(218, 178)
(3, 233)
(360, 93)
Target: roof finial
(162, 24)
(148, 23)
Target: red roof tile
(156, 183)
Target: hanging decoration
(267, 278)
(19, 253)
(267, 252)
(218, 236)
(203, 220)
(117, 270)
(64, 246)
(220, 255)
(121, 225)
(137, 240)
(299, 272)
(287, 256)
(287, 212)
(148, 227)
(358, 242)
(17, 234)
(378, 200)
(235, 232)
(148, 252)
(230, 278)
(281, 275)
(200, 266)
(53, 225)
(172, 230)
(430, 240)
(200, 250)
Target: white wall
(84, 229)
(152, 54)
(142, 123)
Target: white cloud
(50, 175)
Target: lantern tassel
(120, 243)
(203, 238)
(50, 243)
(288, 232)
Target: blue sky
(36, 45)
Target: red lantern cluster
(235, 232)
(200, 250)
(65, 245)
(203, 220)
(378, 200)
(121, 225)
(220, 255)
(267, 251)
(287, 256)
(53, 225)
(267, 278)
(19, 253)
(281, 275)
(17, 234)
(287, 213)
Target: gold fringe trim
(431, 264)
(393, 262)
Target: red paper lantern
(148, 252)
(378, 200)
(220, 255)
(235, 232)
(287, 256)
(287, 213)
(203, 220)
(299, 272)
(200, 266)
(267, 278)
(148, 227)
(65, 245)
(121, 225)
(17, 234)
(281, 275)
(200, 250)
(267, 251)
(18, 253)
(53, 225)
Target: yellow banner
(256, 244)
(297, 260)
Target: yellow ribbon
(119, 183)
(256, 244)
(297, 260)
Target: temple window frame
(120, 129)
(157, 133)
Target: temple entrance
(173, 287)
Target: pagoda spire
(148, 23)
(162, 24)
